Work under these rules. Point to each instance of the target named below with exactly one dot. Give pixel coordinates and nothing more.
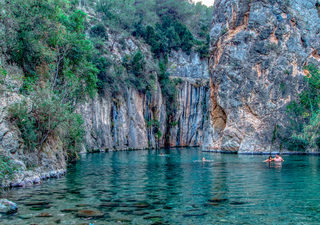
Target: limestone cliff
(258, 52)
(192, 113)
(128, 121)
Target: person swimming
(269, 160)
(278, 158)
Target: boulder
(8, 207)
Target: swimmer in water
(269, 160)
(278, 158)
(203, 159)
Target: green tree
(177, 9)
(119, 13)
(48, 44)
(304, 115)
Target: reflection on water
(144, 187)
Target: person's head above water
(277, 155)
(270, 157)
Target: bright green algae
(142, 187)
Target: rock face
(117, 125)
(192, 113)
(258, 51)
(8, 207)
(52, 158)
(189, 66)
(127, 122)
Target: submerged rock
(36, 203)
(40, 207)
(82, 205)
(218, 200)
(110, 204)
(25, 216)
(8, 207)
(44, 215)
(90, 214)
(140, 213)
(190, 215)
(237, 203)
(141, 205)
(69, 210)
(152, 217)
(125, 211)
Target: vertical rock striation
(128, 122)
(258, 51)
(192, 113)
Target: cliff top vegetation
(60, 46)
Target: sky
(206, 2)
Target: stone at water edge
(8, 207)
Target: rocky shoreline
(28, 180)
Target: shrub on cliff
(167, 35)
(7, 169)
(138, 75)
(45, 117)
(304, 126)
(47, 40)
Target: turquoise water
(146, 188)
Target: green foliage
(122, 42)
(304, 129)
(203, 48)
(135, 66)
(118, 13)
(163, 24)
(3, 75)
(224, 31)
(177, 9)
(49, 43)
(155, 125)
(318, 8)
(282, 87)
(168, 88)
(170, 34)
(48, 40)
(47, 118)
(99, 31)
(7, 169)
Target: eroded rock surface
(8, 207)
(128, 122)
(258, 52)
(30, 166)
